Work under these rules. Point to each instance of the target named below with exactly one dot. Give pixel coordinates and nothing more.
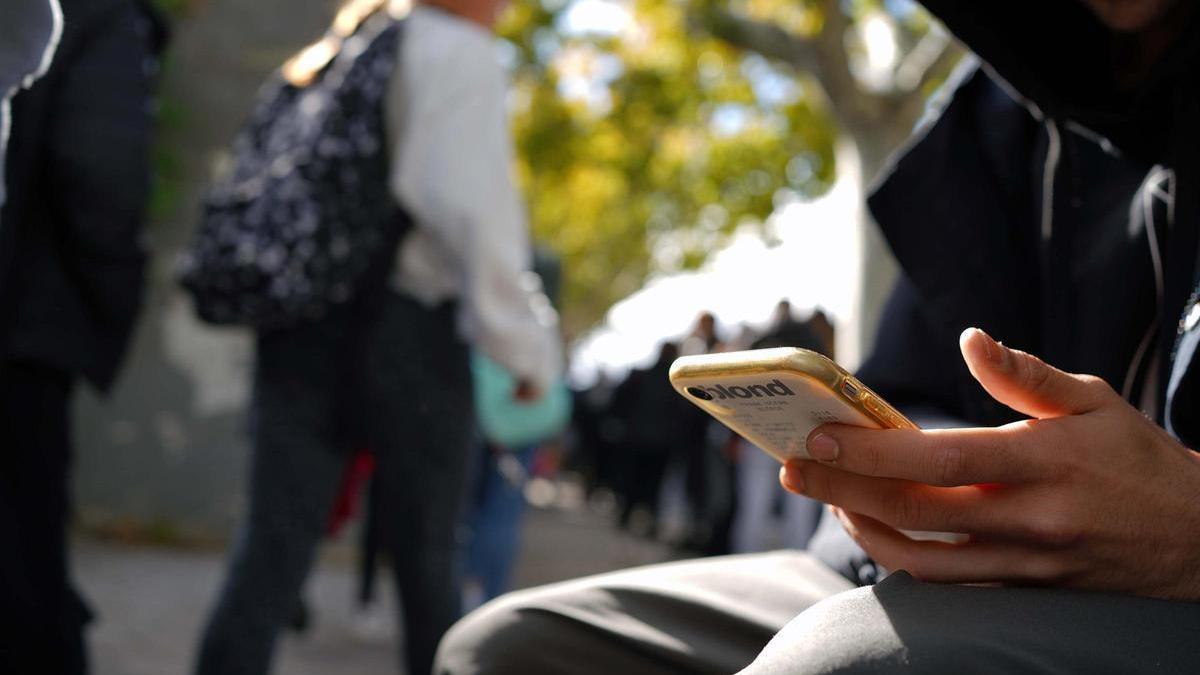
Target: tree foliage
(644, 143)
(641, 148)
(876, 62)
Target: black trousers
(41, 617)
(645, 468)
(786, 612)
(397, 379)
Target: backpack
(305, 221)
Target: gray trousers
(786, 612)
(395, 379)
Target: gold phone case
(776, 397)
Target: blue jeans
(493, 521)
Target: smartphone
(774, 398)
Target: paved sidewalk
(152, 601)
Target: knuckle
(1050, 568)
(1054, 528)
(871, 459)
(1034, 373)
(1006, 450)
(960, 521)
(1062, 460)
(948, 464)
(1099, 386)
(1094, 382)
(905, 510)
(818, 484)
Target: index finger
(944, 457)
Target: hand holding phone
(775, 398)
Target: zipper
(1147, 194)
(1182, 326)
(1049, 172)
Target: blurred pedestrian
(822, 326)
(492, 523)
(760, 498)
(703, 338)
(593, 436)
(705, 456)
(511, 434)
(387, 367)
(71, 276)
(655, 421)
(785, 330)
(758, 491)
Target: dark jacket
(649, 410)
(71, 262)
(1036, 206)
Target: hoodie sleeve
(453, 173)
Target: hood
(1056, 56)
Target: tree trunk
(872, 126)
(878, 266)
(861, 156)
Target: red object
(354, 480)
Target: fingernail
(823, 448)
(792, 478)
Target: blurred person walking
(387, 367)
(759, 496)
(594, 437)
(511, 432)
(706, 456)
(71, 277)
(656, 422)
(758, 489)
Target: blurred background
(677, 157)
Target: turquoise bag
(510, 423)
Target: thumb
(1027, 384)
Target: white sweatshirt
(452, 171)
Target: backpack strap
(302, 69)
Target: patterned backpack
(306, 220)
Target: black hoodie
(1050, 207)
(71, 260)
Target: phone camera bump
(700, 393)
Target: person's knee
(550, 629)
(496, 638)
(893, 627)
(847, 633)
